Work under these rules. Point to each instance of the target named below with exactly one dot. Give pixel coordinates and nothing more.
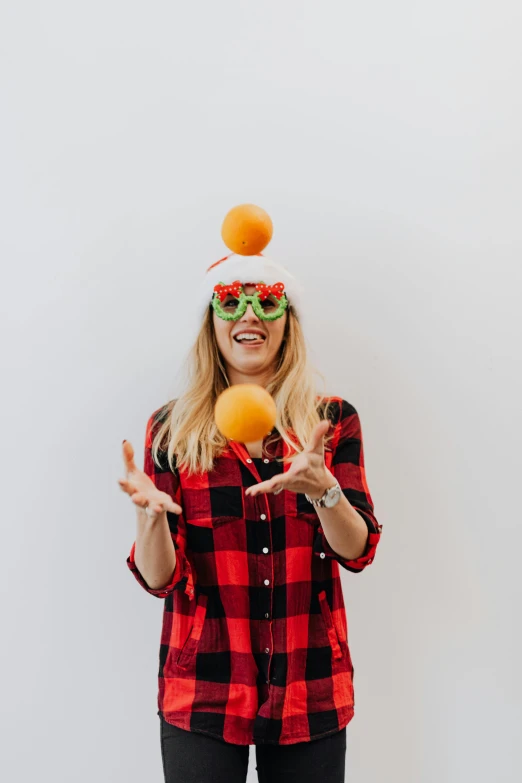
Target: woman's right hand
(142, 490)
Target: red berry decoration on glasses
(234, 289)
(265, 291)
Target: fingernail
(123, 441)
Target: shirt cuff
(323, 549)
(181, 578)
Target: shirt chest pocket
(213, 506)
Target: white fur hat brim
(250, 269)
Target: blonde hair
(187, 424)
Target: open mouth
(249, 339)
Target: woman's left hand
(307, 473)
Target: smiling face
(250, 346)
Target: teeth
(249, 336)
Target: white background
(384, 139)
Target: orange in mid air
(245, 412)
(247, 230)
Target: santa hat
(249, 269)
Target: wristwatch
(329, 498)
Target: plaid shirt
(254, 640)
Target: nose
(249, 314)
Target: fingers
(127, 486)
(164, 503)
(139, 499)
(155, 506)
(128, 456)
(275, 485)
(316, 443)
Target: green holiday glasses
(268, 302)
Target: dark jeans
(189, 757)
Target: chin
(250, 363)
(253, 364)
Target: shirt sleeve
(347, 465)
(166, 481)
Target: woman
(244, 542)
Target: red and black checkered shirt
(254, 641)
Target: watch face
(332, 497)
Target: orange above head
(247, 230)
(245, 412)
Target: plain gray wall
(384, 139)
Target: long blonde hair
(188, 433)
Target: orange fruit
(245, 412)
(247, 230)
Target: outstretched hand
(142, 490)
(307, 473)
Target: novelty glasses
(268, 302)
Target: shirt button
(265, 550)
(267, 649)
(263, 516)
(249, 460)
(322, 555)
(267, 615)
(266, 460)
(267, 581)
